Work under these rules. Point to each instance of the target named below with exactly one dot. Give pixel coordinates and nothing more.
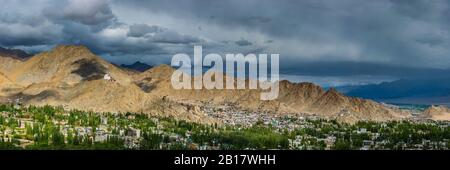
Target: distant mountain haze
(349, 68)
(138, 66)
(405, 88)
(14, 53)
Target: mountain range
(137, 66)
(428, 91)
(75, 78)
(14, 53)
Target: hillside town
(50, 127)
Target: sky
(382, 39)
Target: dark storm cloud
(92, 13)
(139, 30)
(243, 42)
(27, 34)
(172, 37)
(389, 31)
(26, 20)
(86, 22)
(422, 9)
(25, 39)
(157, 34)
(381, 34)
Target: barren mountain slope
(438, 113)
(11, 59)
(74, 77)
(293, 98)
(4, 80)
(66, 64)
(8, 64)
